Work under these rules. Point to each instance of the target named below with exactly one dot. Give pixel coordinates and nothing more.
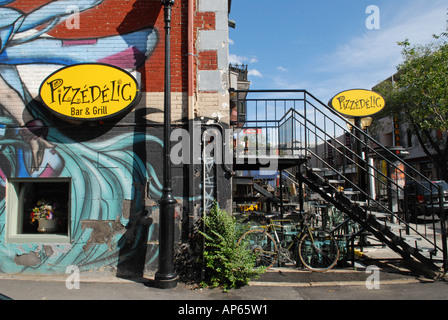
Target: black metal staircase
(344, 165)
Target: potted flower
(44, 214)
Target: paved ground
(387, 283)
(383, 277)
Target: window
(23, 195)
(409, 138)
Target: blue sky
(324, 46)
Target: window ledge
(38, 238)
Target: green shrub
(227, 265)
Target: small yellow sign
(357, 103)
(89, 92)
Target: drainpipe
(190, 59)
(190, 111)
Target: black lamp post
(166, 277)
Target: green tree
(419, 95)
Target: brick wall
(110, 163)
(110, 18)
(207, 60)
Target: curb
(329, 283)
(63, 278)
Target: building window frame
(15, 212)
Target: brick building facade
(103, 176)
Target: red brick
(208, 60)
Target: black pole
(361, 169)
(361, 162)
(166, 277)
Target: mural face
(107, 176)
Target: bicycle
(317, 249)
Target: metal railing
(295, 123)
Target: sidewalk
(112, 288)
(277, 284)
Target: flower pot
(47, 226)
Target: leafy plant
(227, 265)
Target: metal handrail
(359, 188)
(303, 118)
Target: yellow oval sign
(89, 92)
(357, 103)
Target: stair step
(381, 229)
(242, 180)
(409, 238)
(379, 215)
(323, 172)
(318, 169)
(334, 181)
(351, 192)
(291, 204)
(429, 250)
(395, 226)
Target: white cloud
(369, 57)
(255, 73)
(253, 60)
(373, 56)
(283, 69)
(237, 59)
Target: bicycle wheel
(262, 245)
(318, 250)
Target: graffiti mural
(210, 153)
(104, 172)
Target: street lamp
(366, 123)
(166, 277)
